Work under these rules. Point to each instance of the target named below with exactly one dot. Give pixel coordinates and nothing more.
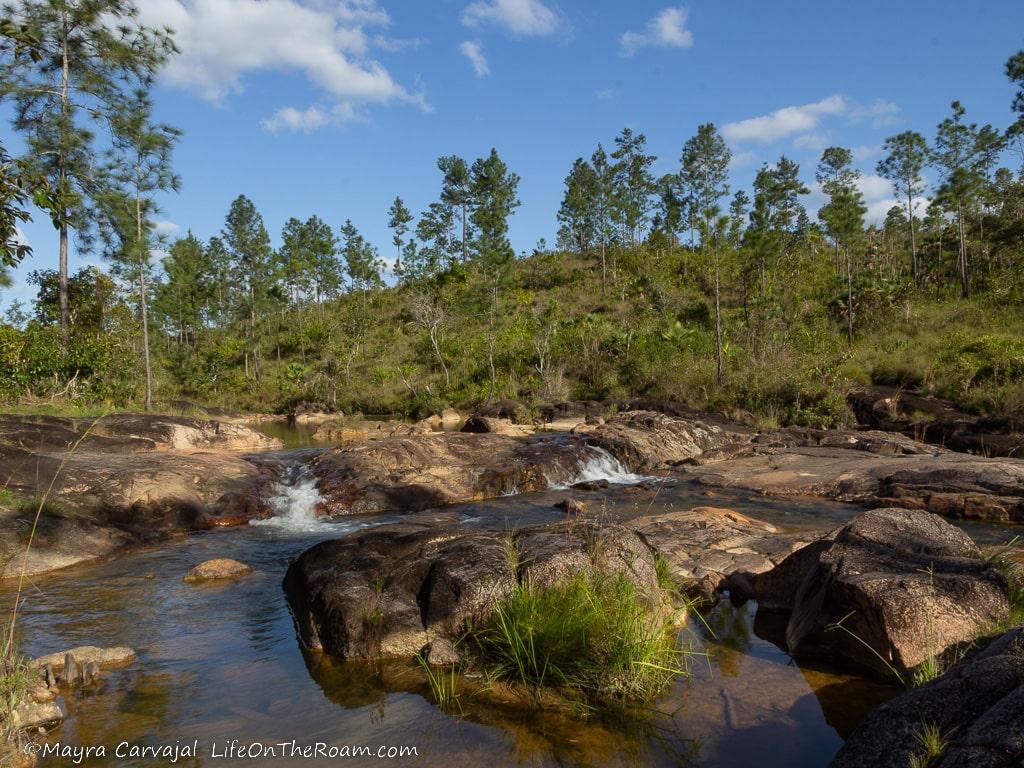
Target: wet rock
(30, 714)
(978, 706)
(591, 485)
(572, 506)
(405, 474)
(86, 654)
(487, 425)
(648, 440)
(708, 541)
(511, 410)
(906, 585)
(440, 652)
(391, 590)
(217, 569)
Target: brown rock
(86, 654)
(217, 569)
(487, 425)
(572, 506)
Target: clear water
(219, 662)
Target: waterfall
(599, 464)
(295, 502)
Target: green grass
(444, 685)
(666, 580)
(1014, 573)
(14, 676)
(930, 746)
(8, 499)
(595, 638)
(926, 671)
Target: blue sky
(334, 107)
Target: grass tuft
(595, 637)
(444, 685)
(931, 744)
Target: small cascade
(295, 502)
(598, 465)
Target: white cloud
(874, 187)
(296, 120)
(740, 159)
(222, 41)
(880, 112)
(811, 141)
(167, 228)
(866, 152)
(666, 30)
(523, 18)
(784, 122)
(475, 53)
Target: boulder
(906, 586)
(978, 707)
(649, 440)
(31, 714)
(513, 410)
(220, 568)
(389, 591)
(487, 425)
(354, 430)
(404, 473)
(572, 506)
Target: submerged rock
(86, 654)
(906, 586)
(977, 707)
(217, 569)
(391, 590)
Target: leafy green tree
(604, 206)
(705, 171)
(495, 198)
(906, 156)
(139, 168)
(85, 55)
(671, 205)
(457, 192)
(577, 212)
(634, 184)
(399, 219)
(247, 244)
(776, 209)
(843, 215)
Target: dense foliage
(674, 287)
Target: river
(220, 662)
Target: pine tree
(495, 198)
(634, 184)
(577, 212)
(139, 168)
(705, 171)
(456, 191)
(907, 154)
(86, 54)
(399, 219)
(248, 245)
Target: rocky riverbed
(459, 517)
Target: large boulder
(389, 591)
(977, 706)
(890, 590)
(406, 473)
(649, 440)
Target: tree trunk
(964, 282)
(849, 299)
(718, 321)
(142, 300)
(913, 238)
(62, 276)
